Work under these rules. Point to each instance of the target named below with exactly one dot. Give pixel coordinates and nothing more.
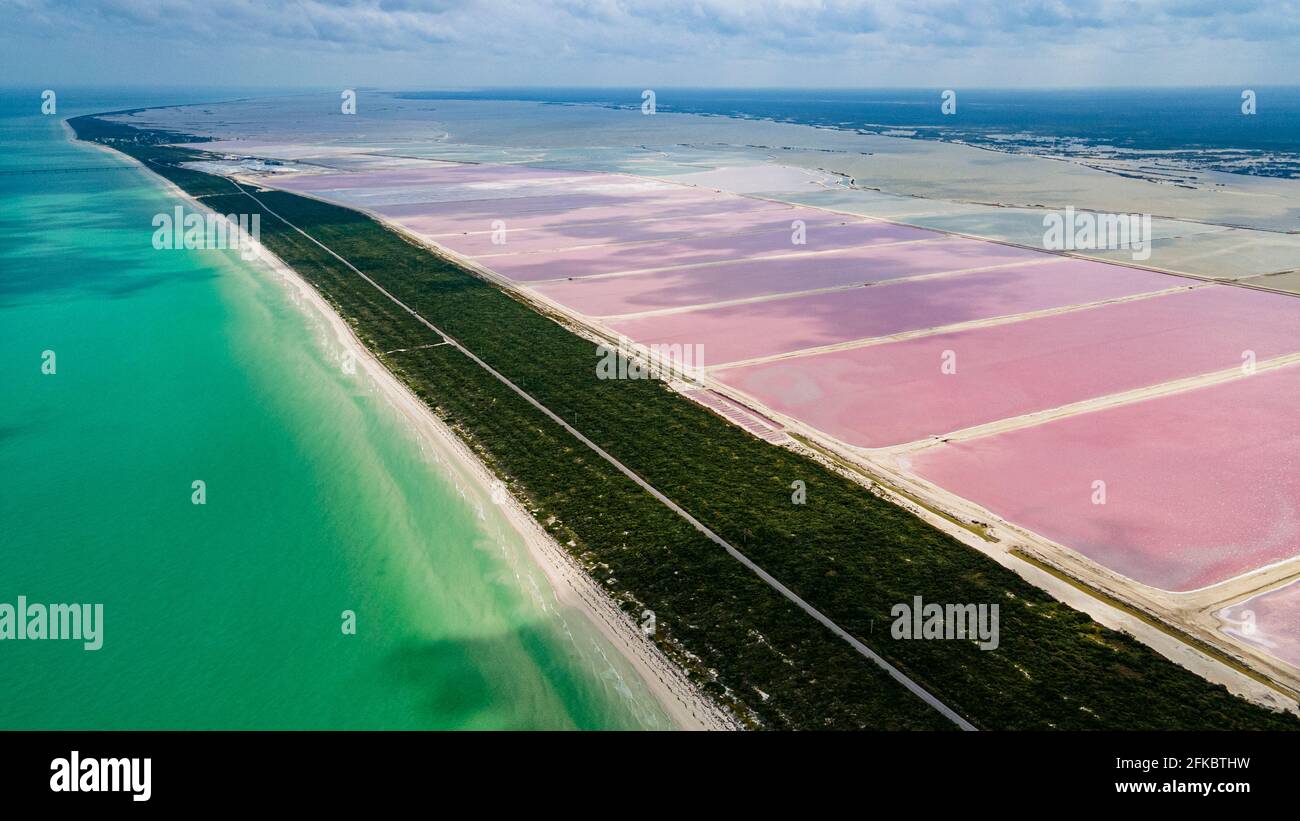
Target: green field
(850, 554)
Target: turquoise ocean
(177, 366)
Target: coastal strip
(680, 699)
(848, 553)
(893, 672)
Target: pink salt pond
(444, 216)
(487, 246)
(444, 175)
(1269, 621)
(823, 234)
(523, 216)
(1199, 486)
(757, 329)
(887, 394)
(927, 253)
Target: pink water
(596, 210)
(445, 175)
(888, 394)
(568, 236)
(757, 329)
(446, 213)
(823, 234)
(396, 195)
(1270, 621)
(1199, 487)
(750, 278)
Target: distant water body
(173, 366)
(1202, 128)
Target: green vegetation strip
(845, 465)
(847, 552)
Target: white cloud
(700, 42)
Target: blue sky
(842, 43)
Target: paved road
(772, 582)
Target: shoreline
(677, 696)
(683, 704)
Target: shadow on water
(476, 682)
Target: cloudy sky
(818, 43)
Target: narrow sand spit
(682, 701)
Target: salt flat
(1199, 487)
(770, 327)
(885, 395)
(910, 255)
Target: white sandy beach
(680, 699)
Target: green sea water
(176, 366)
